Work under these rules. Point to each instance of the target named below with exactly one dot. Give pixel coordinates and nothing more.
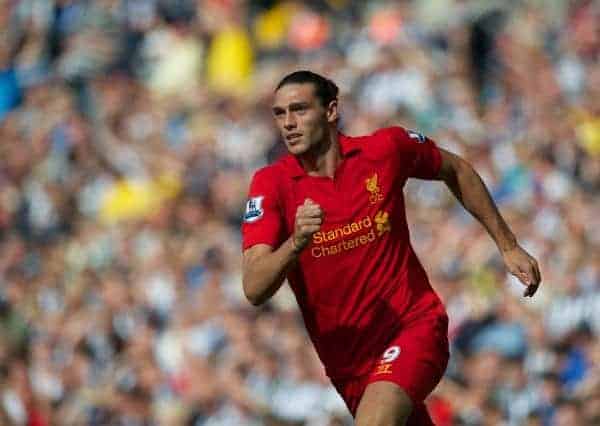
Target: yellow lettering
(371, 235)
(347, 229)
(338, 234)
(366, 222)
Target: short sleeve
(417, 154)
(263, 219)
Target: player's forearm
(470, 190)
(264, 274)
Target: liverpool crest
(374, 189)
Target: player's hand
(524, 267)
(309, 218)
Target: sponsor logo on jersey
(374, 189)
(350, 236)
(254, 210)
(416, 135)
(342, 231)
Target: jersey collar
(348, 147)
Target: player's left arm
(468, 187)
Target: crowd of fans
(129, 130)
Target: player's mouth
(293, 137)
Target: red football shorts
(415, 359)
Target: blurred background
(129, 130)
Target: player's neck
(324, 160)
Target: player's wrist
(297, 247)
(507, 244)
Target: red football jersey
(359, 281)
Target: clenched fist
(309, 218)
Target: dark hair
(325, 89)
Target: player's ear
(332, 111)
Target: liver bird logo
(374, 189)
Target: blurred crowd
(129, 131)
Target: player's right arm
(266, 258)
(264, 269)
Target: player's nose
(290, 122)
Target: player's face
(302, 120)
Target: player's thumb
(308, 202)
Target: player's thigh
(415, 360)
(383, 404)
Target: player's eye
(300, 109)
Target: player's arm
(468, 187)
(264, 269)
